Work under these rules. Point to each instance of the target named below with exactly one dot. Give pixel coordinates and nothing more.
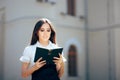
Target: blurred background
(88, 30)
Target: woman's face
(44, 32)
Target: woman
(43, 36)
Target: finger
(56, 61)
(60, 55)
(43, 62)
(56, 58)
(39, 59)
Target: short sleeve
(26, 56)
(64, 59)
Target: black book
(47, 54)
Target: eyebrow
(47, 28)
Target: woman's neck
(44, 43)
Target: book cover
(47, 54)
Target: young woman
(43, 36)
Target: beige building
(88, 31)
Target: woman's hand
(39, 63)
(28, 71)
(58, 62)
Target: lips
(45, 36)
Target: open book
(47, 54)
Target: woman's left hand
(58, 62)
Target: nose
(45, 33)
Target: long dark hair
(37, 27)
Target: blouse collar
(39, 45)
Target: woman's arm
(61, 70)
(26, 70)
(59, 65)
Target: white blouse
(29, 52)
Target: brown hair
(38, 25)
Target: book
(47, 54)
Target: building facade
(88, 30)
(17, 22)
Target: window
(72, 61)
(43, 0)
(71, 7)
(48, 1)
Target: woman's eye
(48, 30)
(41, 30)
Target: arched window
(72, 61)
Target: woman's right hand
(39, 63)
